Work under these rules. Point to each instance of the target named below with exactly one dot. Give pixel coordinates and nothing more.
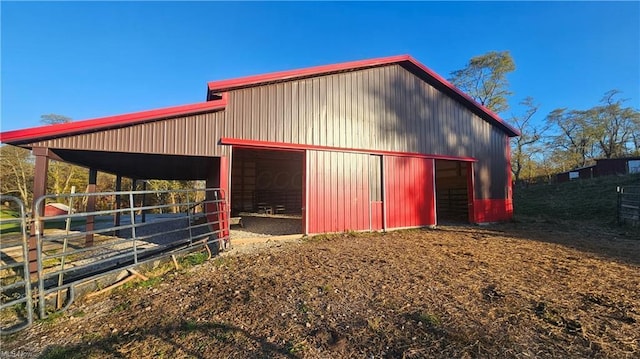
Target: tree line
(561, 140)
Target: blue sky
(87, 60)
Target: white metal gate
(77, 242)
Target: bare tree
(613, 126)
(16, 176)
(524, 146)
(574, 141)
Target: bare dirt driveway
(513, 290)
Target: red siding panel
(492, 210)
(338, 192)
(409, 195)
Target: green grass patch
(52, 317)
(120, 307)
(194, 259)
(592, 200)
(58, 352)
(9, 227)
(143, 284)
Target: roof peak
(411, 64)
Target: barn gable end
(411, 132)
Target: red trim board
(74, 127)
(300, 147)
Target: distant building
(56, 209)
(603, 167)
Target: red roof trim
(250, 81)
(64, 129)
(224, 85)
(295, 146)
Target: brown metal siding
(386, 108)
(196, 135)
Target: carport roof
(34, 134)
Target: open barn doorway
(267, 192)
(452, 191)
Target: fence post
(619, 205)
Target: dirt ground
(513, 290)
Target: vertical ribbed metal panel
(195, 135)
(409, 191)
(386, 108)
(338, 190)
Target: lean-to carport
(168, 144)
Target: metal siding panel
(339, 199)
(295, 118)
(341, 183)
(409, 188)
(315, 205)
(266, 128)
(390, 188)
(286, 113)
(336, 118)
(275, 108)
(347, 116)
(308, 111)
(330, 112)
(318, 125)
(171, 136)
(350, 196)
(321, 106)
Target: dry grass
(515, 290)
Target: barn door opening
(267, 190)
(452, 191)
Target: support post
(91, 206)
(144, 202)
(117, 204)
(39, 190)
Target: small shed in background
(603, 167)
(56, 209)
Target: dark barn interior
(266, 182)
(452, 192)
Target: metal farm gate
(16, 304)
(629, 205)
(77, 244)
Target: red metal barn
(367, 145)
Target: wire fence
(629, 205)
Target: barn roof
(217, 102)
(406, 61)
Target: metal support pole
(117, 204)
(144, 202)
(91, 205)
(39, 190)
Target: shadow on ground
(212, 336)
(617, 243)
